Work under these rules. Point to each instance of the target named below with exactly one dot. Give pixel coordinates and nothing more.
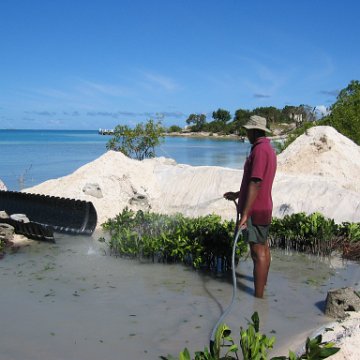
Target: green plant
(223, 341)
(315, 234)
(315, 349)
(349, 234)
(174, 128)
(138, 143)
(345, 112)
(204, 240)
(254, 346)
(350, 231)
(199, 120)
(198, 241)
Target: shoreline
(204, 134)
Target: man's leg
(260, 254)
(268, 259)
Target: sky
(89, 64)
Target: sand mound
(117, 177)
(318, 172)
(345, 334)
(325, 152)
(157, 184)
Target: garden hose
(227, 310)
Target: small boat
(106, 131)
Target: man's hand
(242, 222)
(231, 195)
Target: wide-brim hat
(257, 122)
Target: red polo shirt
(260, 164)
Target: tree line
(223, 123)
(344, 115)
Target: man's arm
(253, 191)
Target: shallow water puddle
(70, 301)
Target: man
(254, 199)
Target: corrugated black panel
(31, 230)
(60, 214)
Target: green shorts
(257, 234)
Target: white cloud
(106, 89)
(162, 81)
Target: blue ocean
(29, 157)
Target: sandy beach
(318, 172)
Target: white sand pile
(158, 184)
(345, 334)
(117, 177)
(325, 152)
(319, 171)
(114, 181)
(196, 191)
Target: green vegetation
(222, 116)
(219, 124)
(312, 234)
(344, 116)
(316, 234)
(203, 240)
(174, 128)
(138, 143)
(223, 124)
(345, 112)
(198, 121)
(254, 346)
(200, 241)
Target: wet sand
(70, 301)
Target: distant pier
(106, 131)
